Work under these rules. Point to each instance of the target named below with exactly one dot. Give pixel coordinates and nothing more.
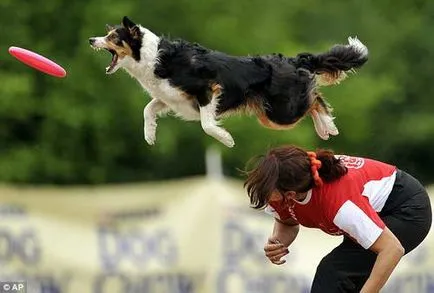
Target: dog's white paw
(324, 125)
(333, 130)
(319, 125)
(227, 140)
(149, 132)
(323, 135)
(330, 126)
(150, 138)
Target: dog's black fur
(280, 90)
(282, 85)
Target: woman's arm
(389, 251)
(285, 232)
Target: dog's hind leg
(150, 112)
(322, 118)
(208, 118)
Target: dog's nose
(91, 41)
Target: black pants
(407, 213)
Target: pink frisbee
(37, 61)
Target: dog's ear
(109, 28)
(132, 27)
(127, 23)
(135, 32)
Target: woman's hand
(275, 250)
(284, 233)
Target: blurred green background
(88, 127)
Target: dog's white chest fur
(157, 88)
(172, 97)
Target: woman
(383, 213)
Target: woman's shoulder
(355, 163)
(351, 162)
(341, 188)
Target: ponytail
(262, 181)
(331, 167)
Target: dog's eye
(113, 38)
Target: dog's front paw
(330, 126)
(323, 135)
(333, 131)
(150, 134)
(227, 140)
(150, 138)
(326, 134)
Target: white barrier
(184, 236)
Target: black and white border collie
(197, 83)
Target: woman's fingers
(277, 259)
(278, 262)
(271, 247)
(279, 256)
(276, 252)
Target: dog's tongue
(112, 64)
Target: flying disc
(37, 61)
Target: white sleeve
(353, 220)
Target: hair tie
(315, 164)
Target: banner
(187, 236)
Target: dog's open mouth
(113, 62)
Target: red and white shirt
(349, 205)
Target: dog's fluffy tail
(331, 67)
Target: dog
(199, 84)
